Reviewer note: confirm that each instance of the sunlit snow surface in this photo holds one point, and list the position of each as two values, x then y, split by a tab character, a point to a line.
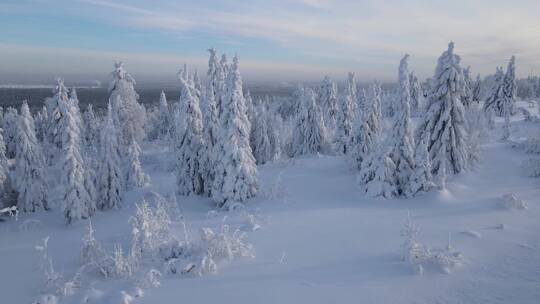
320	240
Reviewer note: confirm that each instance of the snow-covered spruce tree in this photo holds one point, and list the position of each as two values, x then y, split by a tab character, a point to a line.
297	100
309	133
467	97
53	142
30	174
221	80
210	133
421	180
250	106
378	174
188	142
11	118
262	149
477	89
4	175
274	126
130	113
197	85
235	175
109	176
445	117
164	118
91	128
366	128
509	89
416	94
135	176
328	102
494	101
344	121
216	79
352	88
40	121
75	109
77	203
402	153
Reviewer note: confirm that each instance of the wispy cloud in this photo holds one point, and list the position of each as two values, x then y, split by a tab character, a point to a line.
367	35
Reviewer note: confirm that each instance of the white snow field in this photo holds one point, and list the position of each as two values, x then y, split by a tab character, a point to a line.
320	240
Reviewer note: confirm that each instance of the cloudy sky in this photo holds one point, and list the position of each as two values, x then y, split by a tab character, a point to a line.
276	40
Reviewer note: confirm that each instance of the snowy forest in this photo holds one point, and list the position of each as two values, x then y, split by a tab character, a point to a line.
330	195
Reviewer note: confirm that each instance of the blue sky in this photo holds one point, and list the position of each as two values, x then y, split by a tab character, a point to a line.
287	40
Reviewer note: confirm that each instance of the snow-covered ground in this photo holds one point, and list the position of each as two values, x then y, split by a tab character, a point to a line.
320	241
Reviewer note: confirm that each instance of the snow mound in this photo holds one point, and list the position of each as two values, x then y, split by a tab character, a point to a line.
46	299
471	233
511	201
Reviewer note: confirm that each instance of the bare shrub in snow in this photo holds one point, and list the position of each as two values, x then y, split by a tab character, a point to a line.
151	227
151	279
212	249
94	257
421	257
54	282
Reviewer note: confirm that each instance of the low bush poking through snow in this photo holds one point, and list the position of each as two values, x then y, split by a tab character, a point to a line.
55	284
153	245
511	201
212	250
422	258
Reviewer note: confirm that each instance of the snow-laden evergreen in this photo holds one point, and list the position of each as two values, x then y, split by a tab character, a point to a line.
40	121
262	148
275	128
164	117
109	175
250	106
509	88
328	102
128	111
188	141
235	175
309	135
30	173
210	133
53	142
367	127
352	88
402	153
421	179
468	86
135	176
477	89
91	128
5	183
77	202
10	121
345	119
494	101
377	174
417	95
445	117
